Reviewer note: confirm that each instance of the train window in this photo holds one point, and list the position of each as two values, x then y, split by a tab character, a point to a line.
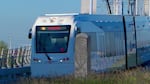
52	39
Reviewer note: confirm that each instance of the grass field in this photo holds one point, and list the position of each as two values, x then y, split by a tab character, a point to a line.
134	76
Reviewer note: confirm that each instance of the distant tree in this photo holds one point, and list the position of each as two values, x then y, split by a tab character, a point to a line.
3	45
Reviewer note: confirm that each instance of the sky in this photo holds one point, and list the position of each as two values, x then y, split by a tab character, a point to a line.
18	16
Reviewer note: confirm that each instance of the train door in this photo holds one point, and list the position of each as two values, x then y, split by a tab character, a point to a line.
131	58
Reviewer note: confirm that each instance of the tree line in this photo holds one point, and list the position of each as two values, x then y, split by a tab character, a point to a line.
3	45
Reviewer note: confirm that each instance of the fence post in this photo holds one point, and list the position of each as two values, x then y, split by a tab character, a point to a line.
9	59
28	54
21	55
82	59
4	58
1	57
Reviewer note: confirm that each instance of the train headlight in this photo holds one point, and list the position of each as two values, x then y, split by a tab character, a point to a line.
61	60
37	60
43	28
64	59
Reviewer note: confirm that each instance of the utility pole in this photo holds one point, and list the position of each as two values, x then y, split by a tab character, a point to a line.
108	7
10	45
118	7
91	7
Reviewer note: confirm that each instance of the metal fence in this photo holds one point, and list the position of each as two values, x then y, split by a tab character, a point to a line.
15	58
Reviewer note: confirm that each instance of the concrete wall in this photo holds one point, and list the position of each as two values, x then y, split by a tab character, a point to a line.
87	8
146	7
82	59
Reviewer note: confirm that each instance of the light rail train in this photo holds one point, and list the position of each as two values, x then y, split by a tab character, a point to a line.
116	42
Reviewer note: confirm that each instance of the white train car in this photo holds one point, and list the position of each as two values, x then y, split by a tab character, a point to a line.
116	42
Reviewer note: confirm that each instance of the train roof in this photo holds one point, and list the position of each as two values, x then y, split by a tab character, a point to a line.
63	14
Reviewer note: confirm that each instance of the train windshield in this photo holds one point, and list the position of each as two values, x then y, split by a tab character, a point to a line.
52	39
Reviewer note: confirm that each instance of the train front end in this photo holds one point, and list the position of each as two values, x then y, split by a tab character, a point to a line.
52	46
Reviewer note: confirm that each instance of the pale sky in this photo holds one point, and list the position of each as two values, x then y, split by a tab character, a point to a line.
18	16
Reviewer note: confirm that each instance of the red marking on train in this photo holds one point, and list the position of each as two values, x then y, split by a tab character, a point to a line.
54	28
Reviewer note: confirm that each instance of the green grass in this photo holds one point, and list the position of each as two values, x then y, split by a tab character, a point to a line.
134	76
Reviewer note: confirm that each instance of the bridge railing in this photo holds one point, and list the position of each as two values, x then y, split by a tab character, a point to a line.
14	58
